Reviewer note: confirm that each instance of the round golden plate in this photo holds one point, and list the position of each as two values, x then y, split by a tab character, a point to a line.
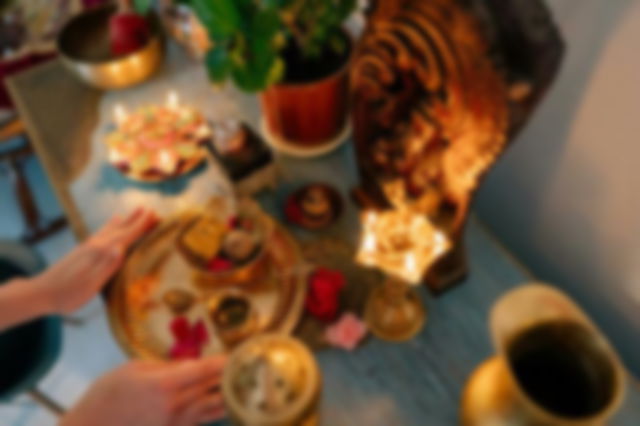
142	325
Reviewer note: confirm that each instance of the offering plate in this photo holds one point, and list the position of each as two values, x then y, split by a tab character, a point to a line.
141	318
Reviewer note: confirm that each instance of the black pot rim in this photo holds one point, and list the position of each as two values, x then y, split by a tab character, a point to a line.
339	71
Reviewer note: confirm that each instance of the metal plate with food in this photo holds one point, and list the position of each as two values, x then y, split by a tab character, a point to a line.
203	281
158	142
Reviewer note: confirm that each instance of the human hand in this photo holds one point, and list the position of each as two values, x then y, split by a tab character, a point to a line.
151	393
76	278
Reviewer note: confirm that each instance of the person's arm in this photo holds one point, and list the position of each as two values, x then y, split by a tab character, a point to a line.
77	277
151	393
21	301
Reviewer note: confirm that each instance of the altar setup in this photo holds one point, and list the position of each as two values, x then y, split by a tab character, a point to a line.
314	166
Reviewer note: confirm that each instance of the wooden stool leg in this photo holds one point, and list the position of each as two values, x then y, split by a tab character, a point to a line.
45	401
36	230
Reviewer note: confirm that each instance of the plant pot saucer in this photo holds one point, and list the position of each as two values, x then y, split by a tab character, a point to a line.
301	151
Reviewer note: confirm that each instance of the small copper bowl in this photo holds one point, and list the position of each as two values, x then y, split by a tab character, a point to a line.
83	44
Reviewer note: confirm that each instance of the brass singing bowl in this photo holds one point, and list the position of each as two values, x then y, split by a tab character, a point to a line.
83	45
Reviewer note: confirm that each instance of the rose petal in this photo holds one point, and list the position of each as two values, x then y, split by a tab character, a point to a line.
180	328
324	279
199	333
184	351
347	332
233	222
218	264
323	296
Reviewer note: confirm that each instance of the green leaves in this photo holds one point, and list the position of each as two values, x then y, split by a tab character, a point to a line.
142	7
218	63
262	65
221	18
317	22
249	35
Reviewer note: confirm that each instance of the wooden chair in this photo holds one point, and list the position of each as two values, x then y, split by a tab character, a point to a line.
14	150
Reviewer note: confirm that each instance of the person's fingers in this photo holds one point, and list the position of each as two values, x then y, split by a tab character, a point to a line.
205	409
131	230
114	225
213	414
132	216
185	374
115	221
192	393
108	263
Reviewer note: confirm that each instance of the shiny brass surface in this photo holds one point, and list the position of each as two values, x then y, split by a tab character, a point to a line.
83	45
272	380
394	311
278	301
500	393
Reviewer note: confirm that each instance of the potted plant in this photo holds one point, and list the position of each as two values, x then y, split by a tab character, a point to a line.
295	52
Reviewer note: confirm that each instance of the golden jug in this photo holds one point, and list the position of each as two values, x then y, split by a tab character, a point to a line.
553	366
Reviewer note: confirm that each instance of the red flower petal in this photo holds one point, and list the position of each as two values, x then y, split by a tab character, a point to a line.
233	222
184	351
323	296
199	333
218	264
180	328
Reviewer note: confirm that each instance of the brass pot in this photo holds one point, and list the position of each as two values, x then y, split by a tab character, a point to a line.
272	380
83	45
553	366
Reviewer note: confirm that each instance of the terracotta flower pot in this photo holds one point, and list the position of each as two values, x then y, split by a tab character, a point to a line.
309	113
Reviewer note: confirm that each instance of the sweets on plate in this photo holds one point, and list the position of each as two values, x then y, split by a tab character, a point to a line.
218	247
139	295
158	142
179	301
233	317
203	238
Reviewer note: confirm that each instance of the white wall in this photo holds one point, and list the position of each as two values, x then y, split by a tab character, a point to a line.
566	196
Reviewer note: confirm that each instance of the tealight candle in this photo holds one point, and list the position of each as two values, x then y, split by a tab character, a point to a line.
172	100
119	114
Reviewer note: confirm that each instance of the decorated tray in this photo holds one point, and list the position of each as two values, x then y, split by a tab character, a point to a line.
158	142
162	304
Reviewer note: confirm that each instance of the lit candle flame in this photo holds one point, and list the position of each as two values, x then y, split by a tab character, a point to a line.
172	100
401	242
119	113
369	243
371	218
410	263
166	161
